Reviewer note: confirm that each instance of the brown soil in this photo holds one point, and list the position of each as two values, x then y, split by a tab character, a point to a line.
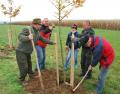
49	80
5	51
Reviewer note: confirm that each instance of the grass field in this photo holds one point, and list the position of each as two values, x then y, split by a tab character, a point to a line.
9	83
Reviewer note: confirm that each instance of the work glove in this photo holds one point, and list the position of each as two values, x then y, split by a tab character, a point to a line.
66	48
53	43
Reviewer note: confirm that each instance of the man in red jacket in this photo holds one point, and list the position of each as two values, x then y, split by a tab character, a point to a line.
103	53
45	32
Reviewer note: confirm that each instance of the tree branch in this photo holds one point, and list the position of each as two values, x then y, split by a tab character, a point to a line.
53	4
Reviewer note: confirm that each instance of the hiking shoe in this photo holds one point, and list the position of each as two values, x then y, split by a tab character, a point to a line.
24	83
81	74
93	93
88	77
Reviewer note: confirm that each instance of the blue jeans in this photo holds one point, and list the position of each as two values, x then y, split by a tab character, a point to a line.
69	56
41	56
101	80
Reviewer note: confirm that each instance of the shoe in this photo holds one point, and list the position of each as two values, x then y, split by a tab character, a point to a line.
24	83
88	77
65	67
21	78
81	74
31	76
93	93
36	69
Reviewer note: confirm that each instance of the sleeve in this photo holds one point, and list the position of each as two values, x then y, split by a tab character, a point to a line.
45	40
23	35
67	41
97	53
92	32
47	30
37	37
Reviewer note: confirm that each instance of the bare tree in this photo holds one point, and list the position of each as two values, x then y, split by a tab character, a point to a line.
64	8
11	11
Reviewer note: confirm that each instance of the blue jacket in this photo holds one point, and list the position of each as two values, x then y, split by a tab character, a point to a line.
69	42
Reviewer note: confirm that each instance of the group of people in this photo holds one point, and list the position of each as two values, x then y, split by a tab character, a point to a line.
94	49
40	33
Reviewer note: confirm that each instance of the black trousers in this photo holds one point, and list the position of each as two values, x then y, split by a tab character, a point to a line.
86	59
24	64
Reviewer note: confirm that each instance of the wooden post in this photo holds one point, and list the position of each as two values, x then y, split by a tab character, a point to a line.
72	64
9	39
39	72
57	64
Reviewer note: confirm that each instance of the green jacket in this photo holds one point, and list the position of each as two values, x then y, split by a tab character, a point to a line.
38	37
25	44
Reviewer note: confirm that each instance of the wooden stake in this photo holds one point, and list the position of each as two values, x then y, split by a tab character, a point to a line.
9	39
66	83
57	64
39	72
72	65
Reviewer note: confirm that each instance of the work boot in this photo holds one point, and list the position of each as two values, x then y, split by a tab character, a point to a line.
93	93
21	78
81	74
24	83
88	77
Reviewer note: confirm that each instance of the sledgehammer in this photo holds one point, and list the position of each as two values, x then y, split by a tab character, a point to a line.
81	81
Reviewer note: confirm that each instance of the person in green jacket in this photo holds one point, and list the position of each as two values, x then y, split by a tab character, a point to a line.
24	48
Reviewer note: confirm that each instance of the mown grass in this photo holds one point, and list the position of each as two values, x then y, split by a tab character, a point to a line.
9	83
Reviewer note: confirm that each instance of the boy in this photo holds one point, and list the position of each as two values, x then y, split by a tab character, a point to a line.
69	44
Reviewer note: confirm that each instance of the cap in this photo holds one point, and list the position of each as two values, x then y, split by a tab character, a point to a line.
36	21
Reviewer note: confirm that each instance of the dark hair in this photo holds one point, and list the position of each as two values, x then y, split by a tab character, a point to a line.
84	39
74	26
88	21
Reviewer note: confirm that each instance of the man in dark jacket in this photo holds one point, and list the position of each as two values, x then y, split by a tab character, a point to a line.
103	53
24	48
86	54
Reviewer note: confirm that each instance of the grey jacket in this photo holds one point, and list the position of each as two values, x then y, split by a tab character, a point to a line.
25	44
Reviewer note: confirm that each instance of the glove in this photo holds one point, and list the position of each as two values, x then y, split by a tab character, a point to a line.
51	27
53	43
66	48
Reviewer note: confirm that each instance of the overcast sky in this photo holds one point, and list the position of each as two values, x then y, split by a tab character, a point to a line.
92	9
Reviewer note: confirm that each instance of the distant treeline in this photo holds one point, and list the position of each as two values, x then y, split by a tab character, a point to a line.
102	24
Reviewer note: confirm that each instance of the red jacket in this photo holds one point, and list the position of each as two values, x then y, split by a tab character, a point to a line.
103	52
47	36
